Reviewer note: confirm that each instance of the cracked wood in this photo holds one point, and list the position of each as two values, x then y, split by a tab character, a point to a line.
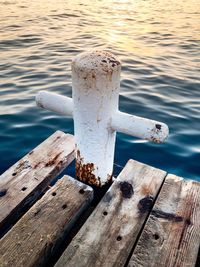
35	236
109	234
24	182
171	236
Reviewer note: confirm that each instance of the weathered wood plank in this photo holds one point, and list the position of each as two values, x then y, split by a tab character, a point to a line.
34	237
108	235
29	177
171	236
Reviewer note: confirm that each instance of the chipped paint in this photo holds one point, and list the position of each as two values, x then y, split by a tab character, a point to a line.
94	107
95	84
139	127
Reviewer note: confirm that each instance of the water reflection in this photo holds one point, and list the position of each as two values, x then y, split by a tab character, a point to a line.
158	44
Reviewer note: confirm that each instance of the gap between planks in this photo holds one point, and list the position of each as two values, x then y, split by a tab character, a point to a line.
25	181
107	237
171	236
35	237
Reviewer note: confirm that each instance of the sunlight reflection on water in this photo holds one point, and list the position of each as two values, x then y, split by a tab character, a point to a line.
157	42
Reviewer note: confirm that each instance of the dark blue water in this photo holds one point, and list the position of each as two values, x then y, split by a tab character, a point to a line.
158	44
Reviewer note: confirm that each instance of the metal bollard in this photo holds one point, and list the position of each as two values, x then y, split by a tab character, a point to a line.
95	89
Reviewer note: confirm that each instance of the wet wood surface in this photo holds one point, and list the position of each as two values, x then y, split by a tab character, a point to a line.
35	236
24	182
171	236
107	237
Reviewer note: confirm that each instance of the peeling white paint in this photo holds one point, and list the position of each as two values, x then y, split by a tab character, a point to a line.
140	127
95	89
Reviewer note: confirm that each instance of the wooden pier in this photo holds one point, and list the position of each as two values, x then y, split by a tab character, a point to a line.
146	218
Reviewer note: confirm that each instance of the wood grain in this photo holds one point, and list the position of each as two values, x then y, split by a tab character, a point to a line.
24	182
34	237
109	234
171	236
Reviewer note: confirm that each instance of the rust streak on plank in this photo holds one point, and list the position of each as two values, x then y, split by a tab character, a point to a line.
24	182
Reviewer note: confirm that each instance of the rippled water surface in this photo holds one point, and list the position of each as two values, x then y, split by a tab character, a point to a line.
157	42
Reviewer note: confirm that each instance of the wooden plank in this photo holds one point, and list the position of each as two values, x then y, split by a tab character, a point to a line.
171	236
34	237
109	234
21	185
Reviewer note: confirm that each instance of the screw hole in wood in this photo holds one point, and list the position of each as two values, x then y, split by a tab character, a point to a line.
24	188
64	206
3	192
82	191
119	238
156	236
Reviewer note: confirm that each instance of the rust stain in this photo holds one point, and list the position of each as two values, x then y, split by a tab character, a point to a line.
37	164
146	190
52	161
155	140
112	61
84	172
22	165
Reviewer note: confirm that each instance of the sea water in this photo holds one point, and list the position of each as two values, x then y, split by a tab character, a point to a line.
158	45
